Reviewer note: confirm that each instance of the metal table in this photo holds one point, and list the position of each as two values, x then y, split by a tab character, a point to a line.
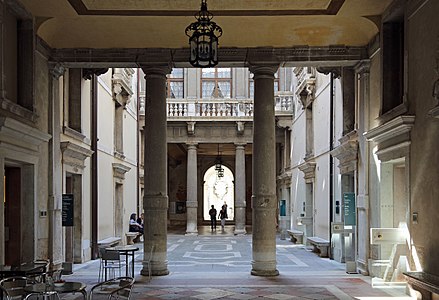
128	251
44	289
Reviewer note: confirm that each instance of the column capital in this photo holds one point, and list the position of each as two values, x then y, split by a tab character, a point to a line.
56	70
363	67
156	71
240	145
192	146
263	70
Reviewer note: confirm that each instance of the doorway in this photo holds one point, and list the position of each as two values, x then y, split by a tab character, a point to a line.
12	204
217	191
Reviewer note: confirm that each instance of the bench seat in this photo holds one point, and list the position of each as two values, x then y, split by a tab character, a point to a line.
296	236
109	242
424	283
131	236
320	245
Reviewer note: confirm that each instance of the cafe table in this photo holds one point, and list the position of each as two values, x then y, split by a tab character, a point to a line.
128	251
22	270
46	290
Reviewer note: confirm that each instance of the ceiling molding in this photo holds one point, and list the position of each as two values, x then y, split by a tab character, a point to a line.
332	9
230	57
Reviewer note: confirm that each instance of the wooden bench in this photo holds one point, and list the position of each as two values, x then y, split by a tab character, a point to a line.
296	236
131	236
320	245
109	242
426	284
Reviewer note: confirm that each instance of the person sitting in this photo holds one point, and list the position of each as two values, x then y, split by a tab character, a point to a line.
134	226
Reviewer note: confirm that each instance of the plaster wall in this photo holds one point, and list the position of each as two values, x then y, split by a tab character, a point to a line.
423	29
106	211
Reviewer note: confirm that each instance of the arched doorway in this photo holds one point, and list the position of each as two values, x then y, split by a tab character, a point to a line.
218	190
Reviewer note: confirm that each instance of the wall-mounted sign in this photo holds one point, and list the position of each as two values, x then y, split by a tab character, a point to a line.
350	215
283	208
67	210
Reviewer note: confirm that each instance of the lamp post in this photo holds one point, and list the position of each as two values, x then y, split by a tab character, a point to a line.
203	39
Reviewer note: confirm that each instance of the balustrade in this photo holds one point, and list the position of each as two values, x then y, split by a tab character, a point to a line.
228	109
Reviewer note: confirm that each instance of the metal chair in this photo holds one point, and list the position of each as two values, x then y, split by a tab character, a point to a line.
116	288
110	261
147	261
13	287
4	293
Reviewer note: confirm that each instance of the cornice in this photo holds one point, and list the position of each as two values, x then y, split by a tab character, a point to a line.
388	130
74	155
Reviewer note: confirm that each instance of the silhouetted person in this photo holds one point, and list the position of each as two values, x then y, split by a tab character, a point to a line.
212	214
223	216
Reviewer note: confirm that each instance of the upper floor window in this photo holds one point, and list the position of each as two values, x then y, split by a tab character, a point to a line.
175	83
216	83
251	84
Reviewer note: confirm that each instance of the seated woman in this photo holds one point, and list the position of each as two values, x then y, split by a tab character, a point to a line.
134	226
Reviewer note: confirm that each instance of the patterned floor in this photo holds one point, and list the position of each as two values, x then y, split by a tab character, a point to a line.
217	265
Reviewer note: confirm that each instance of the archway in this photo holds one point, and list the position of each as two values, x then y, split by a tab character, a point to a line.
218	190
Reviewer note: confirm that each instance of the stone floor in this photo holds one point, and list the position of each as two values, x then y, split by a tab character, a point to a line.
217	265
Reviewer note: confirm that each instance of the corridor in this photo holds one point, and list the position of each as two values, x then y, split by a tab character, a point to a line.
216	265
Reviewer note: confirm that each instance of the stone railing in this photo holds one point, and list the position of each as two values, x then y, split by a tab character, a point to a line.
220	108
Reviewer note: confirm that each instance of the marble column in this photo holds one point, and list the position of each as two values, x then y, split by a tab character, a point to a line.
155	200
240	189
55	169
264	202
191	201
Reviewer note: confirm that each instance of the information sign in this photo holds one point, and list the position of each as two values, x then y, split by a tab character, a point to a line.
67	210
349	209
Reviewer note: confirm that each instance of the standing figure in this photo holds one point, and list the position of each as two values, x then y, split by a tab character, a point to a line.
225	208
223	216
212	214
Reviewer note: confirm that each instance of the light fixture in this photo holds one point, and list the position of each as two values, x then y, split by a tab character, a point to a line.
203	39
218	165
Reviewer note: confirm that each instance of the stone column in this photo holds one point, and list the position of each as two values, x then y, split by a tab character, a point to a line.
192	200
55	169
264	202
155	200
240	189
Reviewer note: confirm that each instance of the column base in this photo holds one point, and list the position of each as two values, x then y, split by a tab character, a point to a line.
265	273
144	272
193	233
239	232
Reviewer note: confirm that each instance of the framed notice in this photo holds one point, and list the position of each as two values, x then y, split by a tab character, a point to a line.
67	210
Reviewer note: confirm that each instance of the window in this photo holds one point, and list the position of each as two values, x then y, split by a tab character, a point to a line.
251	84
175	84
216	83
74	99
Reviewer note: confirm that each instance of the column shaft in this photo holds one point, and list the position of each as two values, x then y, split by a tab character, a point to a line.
240	190
264	202
191	201
155	201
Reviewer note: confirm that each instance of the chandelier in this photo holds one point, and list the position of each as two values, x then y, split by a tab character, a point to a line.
203	39
218	165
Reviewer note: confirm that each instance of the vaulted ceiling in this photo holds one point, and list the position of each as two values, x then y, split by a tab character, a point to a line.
245	23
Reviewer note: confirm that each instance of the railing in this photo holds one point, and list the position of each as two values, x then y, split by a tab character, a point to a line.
221	108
